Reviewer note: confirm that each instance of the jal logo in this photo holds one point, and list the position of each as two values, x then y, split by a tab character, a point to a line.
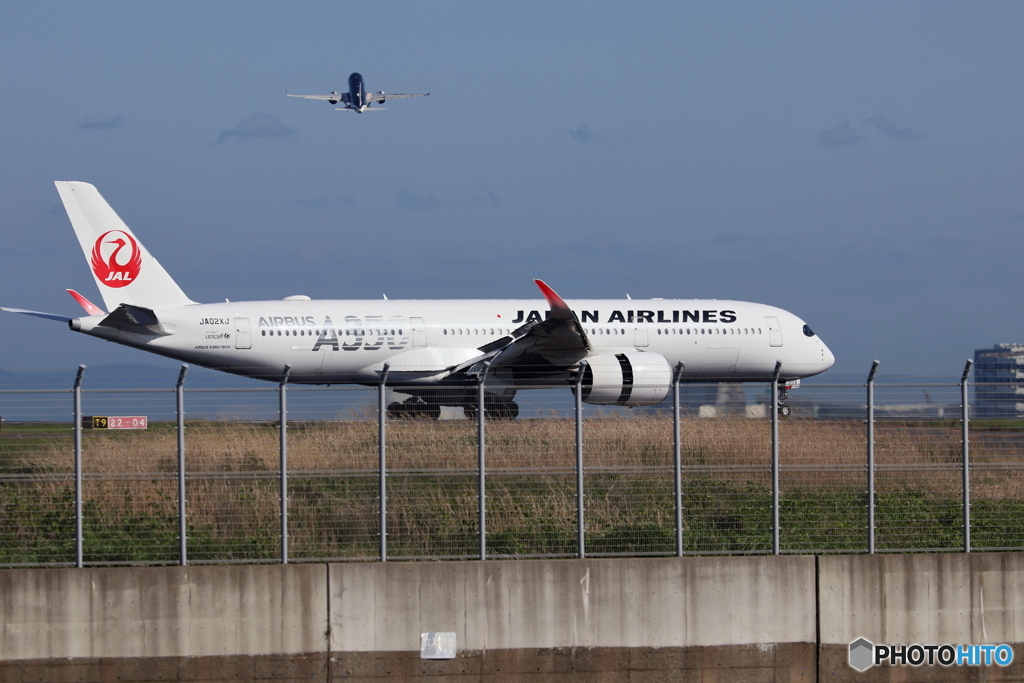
116	259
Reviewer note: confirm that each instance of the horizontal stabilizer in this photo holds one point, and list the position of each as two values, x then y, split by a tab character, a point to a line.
48	316
90	307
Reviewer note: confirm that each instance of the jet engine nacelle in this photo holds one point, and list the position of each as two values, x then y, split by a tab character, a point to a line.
631	378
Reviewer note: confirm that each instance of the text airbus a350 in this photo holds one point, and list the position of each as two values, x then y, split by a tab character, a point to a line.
629	351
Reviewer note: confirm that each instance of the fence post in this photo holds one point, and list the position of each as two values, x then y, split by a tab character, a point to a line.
283	398
382	490
580	538
677	460
77	393
775	457
965	437
871	456
480	462
179	392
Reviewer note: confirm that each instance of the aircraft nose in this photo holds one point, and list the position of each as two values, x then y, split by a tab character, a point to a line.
828	359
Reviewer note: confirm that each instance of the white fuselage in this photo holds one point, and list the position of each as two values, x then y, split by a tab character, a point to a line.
337	341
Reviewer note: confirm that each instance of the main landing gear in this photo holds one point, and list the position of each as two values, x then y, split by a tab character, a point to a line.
416	408
494	410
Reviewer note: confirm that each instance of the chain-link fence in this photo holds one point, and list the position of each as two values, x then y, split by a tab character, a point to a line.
859	465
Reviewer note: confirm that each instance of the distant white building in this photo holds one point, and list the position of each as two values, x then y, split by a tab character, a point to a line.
999	381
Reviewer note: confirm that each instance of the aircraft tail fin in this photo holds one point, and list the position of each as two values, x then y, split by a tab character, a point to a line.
125	272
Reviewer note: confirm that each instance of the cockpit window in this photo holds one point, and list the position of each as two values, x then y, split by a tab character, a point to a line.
808	332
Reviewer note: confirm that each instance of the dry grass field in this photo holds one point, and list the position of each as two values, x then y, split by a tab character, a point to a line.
131	499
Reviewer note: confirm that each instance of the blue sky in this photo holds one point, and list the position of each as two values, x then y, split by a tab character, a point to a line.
859	164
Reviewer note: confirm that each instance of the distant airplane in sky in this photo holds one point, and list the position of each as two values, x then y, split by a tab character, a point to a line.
436	351
357	99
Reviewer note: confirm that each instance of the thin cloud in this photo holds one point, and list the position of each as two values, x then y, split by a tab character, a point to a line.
258	126
105	124
842	135
887	127
731	237
485	196
326	202
582	134
759	238
407	199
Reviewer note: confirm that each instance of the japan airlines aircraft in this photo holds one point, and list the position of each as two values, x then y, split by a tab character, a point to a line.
435	351
357	99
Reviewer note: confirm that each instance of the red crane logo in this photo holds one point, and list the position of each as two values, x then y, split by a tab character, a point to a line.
110	270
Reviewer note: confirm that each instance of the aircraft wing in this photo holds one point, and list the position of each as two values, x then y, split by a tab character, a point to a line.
559	340
333	97
378	96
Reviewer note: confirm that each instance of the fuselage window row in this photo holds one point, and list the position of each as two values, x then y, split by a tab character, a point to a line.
593	331
703	330
485	331
475	331
730	330
317	333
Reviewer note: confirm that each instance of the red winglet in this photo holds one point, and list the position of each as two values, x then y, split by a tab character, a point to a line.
554	301
90	307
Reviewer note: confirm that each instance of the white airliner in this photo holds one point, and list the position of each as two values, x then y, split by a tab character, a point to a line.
434	350
357	99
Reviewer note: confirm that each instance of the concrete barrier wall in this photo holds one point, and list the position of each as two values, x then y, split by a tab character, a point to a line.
961	598
653	602
734	618
162	611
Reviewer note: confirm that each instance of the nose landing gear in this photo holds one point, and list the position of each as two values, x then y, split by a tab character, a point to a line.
784	409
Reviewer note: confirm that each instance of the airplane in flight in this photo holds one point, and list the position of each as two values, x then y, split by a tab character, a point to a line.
434	351
357	99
